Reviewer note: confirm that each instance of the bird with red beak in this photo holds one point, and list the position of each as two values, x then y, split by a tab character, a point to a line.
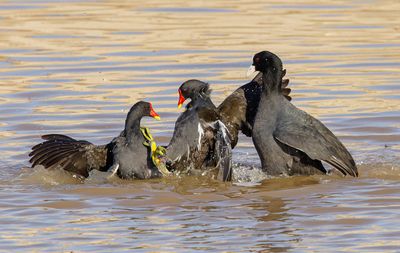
201	142
194	90
127	155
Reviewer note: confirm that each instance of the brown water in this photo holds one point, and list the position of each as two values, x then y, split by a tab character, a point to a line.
75	67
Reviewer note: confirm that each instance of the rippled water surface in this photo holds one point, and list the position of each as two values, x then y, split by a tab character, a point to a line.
75	67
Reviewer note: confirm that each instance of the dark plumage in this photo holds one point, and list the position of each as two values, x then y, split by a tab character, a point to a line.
200	140
238	110
125	153
287	139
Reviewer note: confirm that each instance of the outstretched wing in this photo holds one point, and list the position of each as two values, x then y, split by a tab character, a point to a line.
61	151
301	131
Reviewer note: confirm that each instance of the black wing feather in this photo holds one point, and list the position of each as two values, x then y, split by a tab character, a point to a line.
77	156
301	131
223	151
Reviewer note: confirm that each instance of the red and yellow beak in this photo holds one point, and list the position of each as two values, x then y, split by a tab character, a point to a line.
153	113
181	99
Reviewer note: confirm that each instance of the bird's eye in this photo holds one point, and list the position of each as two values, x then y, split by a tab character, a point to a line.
257	59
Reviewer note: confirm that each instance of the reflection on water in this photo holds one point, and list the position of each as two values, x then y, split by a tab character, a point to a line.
75	67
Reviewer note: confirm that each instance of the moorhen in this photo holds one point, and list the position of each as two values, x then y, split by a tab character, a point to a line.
126	155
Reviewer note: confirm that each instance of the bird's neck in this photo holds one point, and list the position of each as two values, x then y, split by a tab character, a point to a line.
272	80
132	125
200	100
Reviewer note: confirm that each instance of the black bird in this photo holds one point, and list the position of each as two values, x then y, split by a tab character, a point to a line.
200	141
288	140
125	154
238	110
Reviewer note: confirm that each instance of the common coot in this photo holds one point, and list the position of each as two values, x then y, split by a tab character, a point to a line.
288	140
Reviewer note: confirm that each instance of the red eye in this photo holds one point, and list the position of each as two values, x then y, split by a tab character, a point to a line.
257	59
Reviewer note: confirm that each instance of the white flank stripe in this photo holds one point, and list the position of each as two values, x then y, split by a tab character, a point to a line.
201	133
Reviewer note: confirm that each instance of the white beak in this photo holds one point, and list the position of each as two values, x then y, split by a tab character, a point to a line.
251	71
